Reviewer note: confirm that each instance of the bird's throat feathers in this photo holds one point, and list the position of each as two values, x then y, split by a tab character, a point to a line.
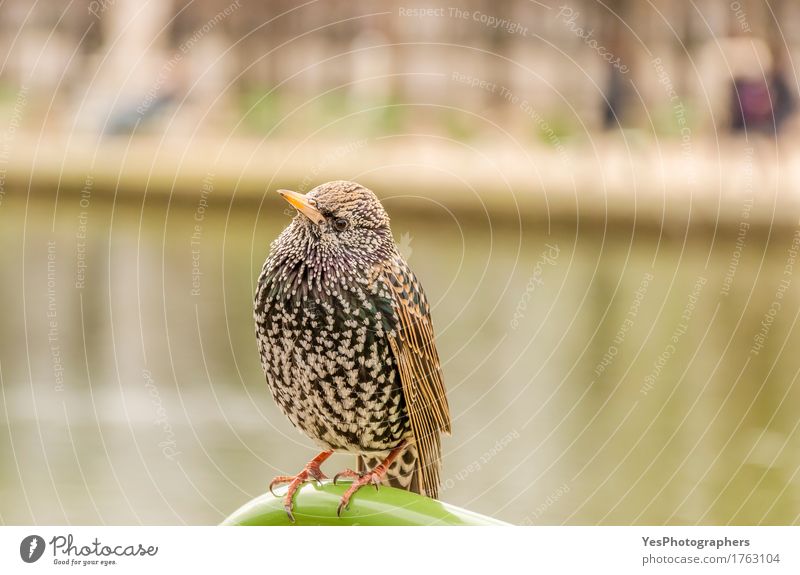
307	259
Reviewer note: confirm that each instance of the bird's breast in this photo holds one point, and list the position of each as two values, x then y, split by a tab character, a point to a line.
330	367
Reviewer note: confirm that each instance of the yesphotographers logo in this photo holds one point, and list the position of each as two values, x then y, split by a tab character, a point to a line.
31	548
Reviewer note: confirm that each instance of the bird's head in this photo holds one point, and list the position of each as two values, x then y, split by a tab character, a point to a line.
342	219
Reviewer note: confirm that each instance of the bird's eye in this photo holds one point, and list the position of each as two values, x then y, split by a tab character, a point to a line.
340	224
312	202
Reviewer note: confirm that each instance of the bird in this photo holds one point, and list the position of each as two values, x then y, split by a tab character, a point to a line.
347	345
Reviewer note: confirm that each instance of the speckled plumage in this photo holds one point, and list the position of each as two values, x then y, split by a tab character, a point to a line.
345	337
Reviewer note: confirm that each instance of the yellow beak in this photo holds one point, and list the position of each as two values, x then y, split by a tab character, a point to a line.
302	204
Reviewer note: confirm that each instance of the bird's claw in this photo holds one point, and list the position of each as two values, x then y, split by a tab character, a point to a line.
277	480
309	472
359	480
316	474
346	473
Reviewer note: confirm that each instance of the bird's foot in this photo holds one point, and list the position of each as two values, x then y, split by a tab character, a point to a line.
310	472
359	480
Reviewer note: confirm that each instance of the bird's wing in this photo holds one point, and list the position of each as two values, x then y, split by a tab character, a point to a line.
412	342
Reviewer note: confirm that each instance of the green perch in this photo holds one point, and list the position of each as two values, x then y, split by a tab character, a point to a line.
315	504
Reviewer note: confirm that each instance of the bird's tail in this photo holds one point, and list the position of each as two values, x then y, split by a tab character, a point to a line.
403	473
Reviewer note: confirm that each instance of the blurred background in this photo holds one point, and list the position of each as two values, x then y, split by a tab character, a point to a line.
600	198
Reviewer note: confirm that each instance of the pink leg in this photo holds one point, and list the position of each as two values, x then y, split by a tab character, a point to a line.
310	471
374	477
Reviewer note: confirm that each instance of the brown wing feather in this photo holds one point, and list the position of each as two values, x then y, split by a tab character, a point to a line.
420	373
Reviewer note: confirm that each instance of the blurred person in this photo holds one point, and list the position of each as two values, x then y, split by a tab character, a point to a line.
760	97
614	99
617	55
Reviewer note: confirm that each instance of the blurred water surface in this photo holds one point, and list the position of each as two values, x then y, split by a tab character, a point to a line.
596	375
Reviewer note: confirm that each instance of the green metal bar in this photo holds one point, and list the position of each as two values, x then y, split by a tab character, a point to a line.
316	505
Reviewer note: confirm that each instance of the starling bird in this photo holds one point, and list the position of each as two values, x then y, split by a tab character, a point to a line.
347	344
